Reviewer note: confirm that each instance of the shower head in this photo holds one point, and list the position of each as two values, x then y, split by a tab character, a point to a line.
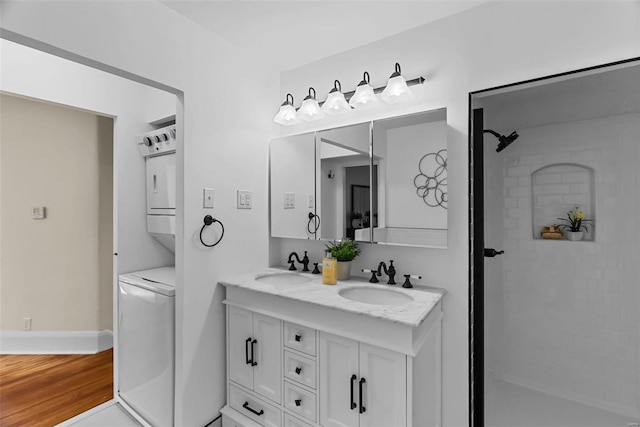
503	141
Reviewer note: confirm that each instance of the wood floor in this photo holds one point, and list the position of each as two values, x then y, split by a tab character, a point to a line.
44	390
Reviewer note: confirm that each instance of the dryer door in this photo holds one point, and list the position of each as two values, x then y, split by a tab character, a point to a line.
161	184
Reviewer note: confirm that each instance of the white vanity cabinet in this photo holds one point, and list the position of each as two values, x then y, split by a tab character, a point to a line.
297	363
255	352
360	384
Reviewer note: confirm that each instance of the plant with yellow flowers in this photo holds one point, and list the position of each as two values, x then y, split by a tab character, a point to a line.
575	221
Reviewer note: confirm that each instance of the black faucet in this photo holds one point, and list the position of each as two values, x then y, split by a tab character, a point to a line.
391	272
304	262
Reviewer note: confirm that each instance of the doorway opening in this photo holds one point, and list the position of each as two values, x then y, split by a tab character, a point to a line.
133	106
554	325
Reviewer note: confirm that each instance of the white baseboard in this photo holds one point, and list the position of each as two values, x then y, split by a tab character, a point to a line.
574	397
55	342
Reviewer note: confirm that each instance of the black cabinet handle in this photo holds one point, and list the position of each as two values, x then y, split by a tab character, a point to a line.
298	370
298	402
298	337
246	406
362	408
253	362
353	404
246	351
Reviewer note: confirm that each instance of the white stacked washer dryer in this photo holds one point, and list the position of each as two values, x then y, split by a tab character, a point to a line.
146	299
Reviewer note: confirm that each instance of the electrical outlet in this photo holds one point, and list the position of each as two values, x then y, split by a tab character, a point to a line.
27	324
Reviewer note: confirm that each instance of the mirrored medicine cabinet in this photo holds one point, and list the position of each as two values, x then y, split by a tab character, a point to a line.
381	182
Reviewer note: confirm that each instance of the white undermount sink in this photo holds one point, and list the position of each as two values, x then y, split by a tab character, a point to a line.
283	278
378	296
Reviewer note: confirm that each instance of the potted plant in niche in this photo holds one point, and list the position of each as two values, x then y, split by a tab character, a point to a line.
575	222
344	252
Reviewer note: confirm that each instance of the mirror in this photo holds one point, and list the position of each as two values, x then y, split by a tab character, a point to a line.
383	182
343	154
293	186
410	153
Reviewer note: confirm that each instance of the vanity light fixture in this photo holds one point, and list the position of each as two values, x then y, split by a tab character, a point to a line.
364	96
310	110
287	114
336	103
397	89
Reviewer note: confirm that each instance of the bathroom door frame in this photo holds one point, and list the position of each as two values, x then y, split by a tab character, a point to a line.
476	231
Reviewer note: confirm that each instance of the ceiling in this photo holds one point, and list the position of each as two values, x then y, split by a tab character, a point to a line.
289	34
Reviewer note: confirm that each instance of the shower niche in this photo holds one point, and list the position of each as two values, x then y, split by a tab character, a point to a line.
559	188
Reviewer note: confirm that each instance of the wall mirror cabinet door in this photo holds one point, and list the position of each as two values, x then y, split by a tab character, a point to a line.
343	165
383	182
293	186
410	156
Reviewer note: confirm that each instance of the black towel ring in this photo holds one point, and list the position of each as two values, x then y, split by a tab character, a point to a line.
208	220
316	223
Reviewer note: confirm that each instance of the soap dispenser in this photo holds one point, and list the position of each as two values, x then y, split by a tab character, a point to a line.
329	269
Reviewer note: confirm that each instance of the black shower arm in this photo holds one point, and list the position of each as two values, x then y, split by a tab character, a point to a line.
496	134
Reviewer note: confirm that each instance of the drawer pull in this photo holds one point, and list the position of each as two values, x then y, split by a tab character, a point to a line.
353	404
298	337
298	402
246	351
298	370
246	406
362	408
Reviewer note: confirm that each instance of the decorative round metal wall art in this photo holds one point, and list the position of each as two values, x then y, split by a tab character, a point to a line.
431	182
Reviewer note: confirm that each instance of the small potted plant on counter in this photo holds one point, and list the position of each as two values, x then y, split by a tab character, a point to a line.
344	252
575	222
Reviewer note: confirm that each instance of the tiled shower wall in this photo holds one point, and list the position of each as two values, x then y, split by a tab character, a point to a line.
570	309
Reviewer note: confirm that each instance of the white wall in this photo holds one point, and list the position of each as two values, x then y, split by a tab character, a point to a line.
570	309
493	44
57	270
229	102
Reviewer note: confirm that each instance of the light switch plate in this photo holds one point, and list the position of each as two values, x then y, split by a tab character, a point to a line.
207	198
38	212
245	199
310	201
289	200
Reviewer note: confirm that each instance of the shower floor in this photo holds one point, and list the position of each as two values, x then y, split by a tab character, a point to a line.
510	405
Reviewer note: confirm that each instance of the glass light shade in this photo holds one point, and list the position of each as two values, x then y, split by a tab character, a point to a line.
364	97
310	110
396	90
335	103
286	115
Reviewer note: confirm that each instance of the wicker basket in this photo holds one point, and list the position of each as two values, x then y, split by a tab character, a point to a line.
551	233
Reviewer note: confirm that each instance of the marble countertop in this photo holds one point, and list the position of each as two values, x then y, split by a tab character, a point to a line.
313	291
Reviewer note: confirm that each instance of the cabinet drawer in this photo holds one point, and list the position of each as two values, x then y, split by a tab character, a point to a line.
291	421
300	369
254	408
300	401
300	338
